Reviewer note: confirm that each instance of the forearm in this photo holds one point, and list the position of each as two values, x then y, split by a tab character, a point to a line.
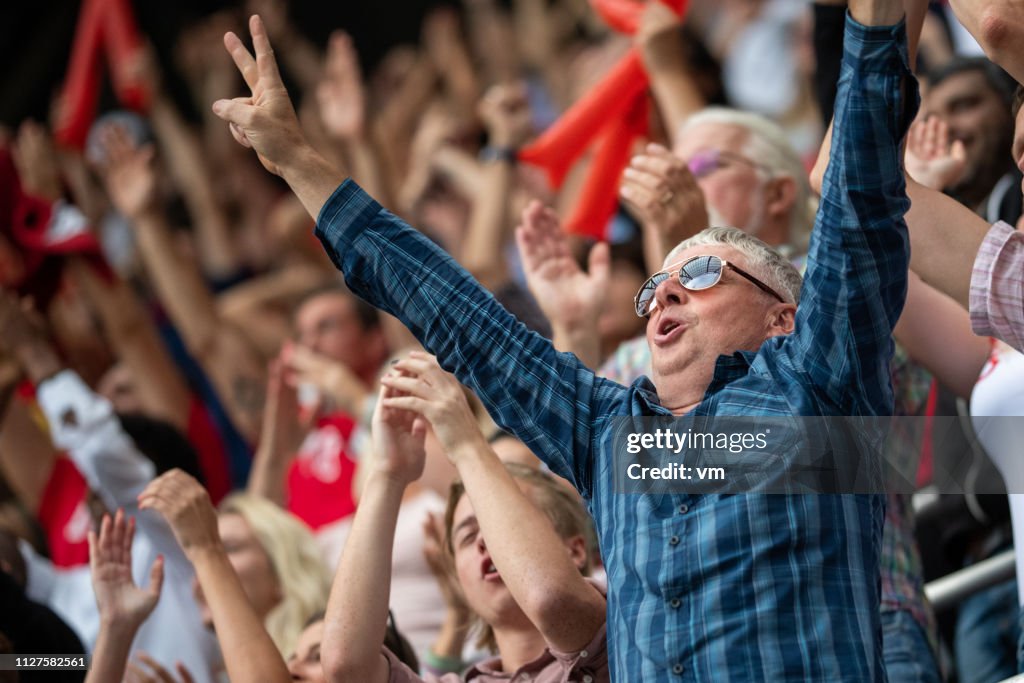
249	653
217	251
482	253
936	332
267	476
233	365
366	168
944	237
311	178
672	83
110	655
357	611
131	332
178	283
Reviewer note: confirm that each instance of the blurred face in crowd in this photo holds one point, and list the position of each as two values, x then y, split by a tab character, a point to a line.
980	118
734	191
304	664
688	327
118	386
328	324
252	564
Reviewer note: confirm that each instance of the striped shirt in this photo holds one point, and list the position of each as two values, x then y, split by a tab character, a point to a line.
997	286
724	588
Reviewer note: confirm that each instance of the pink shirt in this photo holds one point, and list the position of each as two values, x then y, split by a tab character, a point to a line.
589	665
997	286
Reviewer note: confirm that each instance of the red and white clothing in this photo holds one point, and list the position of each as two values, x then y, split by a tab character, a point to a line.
320	478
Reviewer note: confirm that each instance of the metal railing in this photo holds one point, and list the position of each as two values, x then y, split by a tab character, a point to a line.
952	589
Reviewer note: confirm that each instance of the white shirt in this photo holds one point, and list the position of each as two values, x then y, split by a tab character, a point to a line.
84	424
998	397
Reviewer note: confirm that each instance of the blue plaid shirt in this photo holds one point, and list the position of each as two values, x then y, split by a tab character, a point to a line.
703	588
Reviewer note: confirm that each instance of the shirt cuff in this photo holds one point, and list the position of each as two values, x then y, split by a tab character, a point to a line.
343	216
983	292
873	46
72	409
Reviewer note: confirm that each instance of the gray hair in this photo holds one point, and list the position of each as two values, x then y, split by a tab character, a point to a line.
768	264
767	144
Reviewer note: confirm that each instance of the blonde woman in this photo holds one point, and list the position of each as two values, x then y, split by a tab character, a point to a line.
277	562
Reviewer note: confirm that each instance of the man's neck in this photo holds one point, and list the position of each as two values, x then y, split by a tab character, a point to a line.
683	390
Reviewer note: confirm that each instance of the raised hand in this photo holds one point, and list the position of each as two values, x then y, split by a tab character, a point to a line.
25	337
186	506
119	600
567	296
662	193
264	121
505	111
398	435
331	378
930	158
128	172
154	672
424	389
340	94
36	160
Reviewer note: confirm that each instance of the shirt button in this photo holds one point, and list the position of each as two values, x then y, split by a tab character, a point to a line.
684	508
674	540
674	603
588	679
677	669
584	654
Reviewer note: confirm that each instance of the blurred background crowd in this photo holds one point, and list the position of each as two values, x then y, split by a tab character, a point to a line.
182	284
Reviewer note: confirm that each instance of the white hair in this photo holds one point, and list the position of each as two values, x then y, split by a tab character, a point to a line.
767	145
768	264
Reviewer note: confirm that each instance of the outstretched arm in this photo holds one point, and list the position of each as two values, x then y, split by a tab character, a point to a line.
249	653
122	605
357	612
546	399
857	266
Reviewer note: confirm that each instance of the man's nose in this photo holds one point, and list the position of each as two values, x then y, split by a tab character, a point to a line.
670	292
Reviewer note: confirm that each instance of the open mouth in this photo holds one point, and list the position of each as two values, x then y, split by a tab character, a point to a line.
668	330
489	571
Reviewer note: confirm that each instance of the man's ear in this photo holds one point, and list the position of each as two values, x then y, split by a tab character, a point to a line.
781	320
781	194
577	547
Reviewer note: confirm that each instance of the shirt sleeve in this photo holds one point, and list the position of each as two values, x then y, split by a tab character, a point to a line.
997	286
84	424
856	279
546	398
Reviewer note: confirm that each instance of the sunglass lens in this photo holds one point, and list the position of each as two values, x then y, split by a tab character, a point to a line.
701	273
645	298
703	163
